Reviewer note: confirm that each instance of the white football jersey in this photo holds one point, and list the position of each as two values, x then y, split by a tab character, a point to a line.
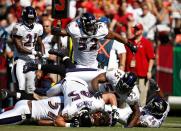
149	120
29	37
87	76
47	108
85	47
48	45
77	96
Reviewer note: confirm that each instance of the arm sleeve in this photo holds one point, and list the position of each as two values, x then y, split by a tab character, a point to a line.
56	69
55	90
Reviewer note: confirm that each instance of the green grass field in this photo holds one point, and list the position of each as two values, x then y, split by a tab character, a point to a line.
171	123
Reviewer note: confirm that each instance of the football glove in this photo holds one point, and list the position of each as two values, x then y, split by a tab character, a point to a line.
115	117
132	47
98	95
74	123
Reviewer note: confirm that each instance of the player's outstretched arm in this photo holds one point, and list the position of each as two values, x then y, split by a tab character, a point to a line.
101	78
59	32
134	118
118	37
110	98
61	122
45	122
41	45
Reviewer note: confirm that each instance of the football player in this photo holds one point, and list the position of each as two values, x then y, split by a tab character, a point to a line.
156	110
77	96
26	36
45	109
153	113
124	86
85	32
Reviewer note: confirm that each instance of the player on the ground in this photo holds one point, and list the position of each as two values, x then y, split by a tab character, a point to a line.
77	96
45	109
124	86
156	110
26	36
153	113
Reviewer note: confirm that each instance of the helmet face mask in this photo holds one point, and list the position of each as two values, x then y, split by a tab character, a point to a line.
101	118
29	16
88	23
85	119
156	107
126	84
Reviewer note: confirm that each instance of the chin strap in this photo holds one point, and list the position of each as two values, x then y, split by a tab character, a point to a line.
29	26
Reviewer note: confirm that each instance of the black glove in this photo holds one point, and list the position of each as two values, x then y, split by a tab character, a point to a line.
55	31
98	95
132	47
115	117
153	85
30	66
56	52
4	93
74	123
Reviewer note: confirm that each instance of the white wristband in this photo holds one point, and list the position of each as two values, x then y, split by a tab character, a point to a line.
39	66
64	58
114	107
18	95
34	52
67	125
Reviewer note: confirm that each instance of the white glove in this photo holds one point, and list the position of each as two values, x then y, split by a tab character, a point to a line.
33	52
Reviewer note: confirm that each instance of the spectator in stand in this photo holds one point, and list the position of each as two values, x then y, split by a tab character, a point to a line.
50	42
16	9
161	9
3	9
135	8
148	20
141	62
176	26
120	20
3	62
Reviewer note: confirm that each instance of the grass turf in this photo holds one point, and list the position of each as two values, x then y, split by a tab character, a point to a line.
171	123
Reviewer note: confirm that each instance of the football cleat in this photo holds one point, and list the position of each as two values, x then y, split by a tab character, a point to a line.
3	94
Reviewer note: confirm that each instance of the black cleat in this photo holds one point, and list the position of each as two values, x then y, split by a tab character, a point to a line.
3	94
30	66
153	85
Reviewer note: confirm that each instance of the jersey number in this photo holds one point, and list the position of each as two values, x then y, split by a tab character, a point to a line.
30	40
54	107
83	45
76	96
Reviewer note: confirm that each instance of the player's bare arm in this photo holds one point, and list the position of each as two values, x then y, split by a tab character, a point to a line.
101	78
19	45
116	36
60	122
135	115
59	32
42	47
45	122
109	98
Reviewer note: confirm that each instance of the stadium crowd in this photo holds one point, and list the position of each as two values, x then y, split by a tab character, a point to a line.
94	68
